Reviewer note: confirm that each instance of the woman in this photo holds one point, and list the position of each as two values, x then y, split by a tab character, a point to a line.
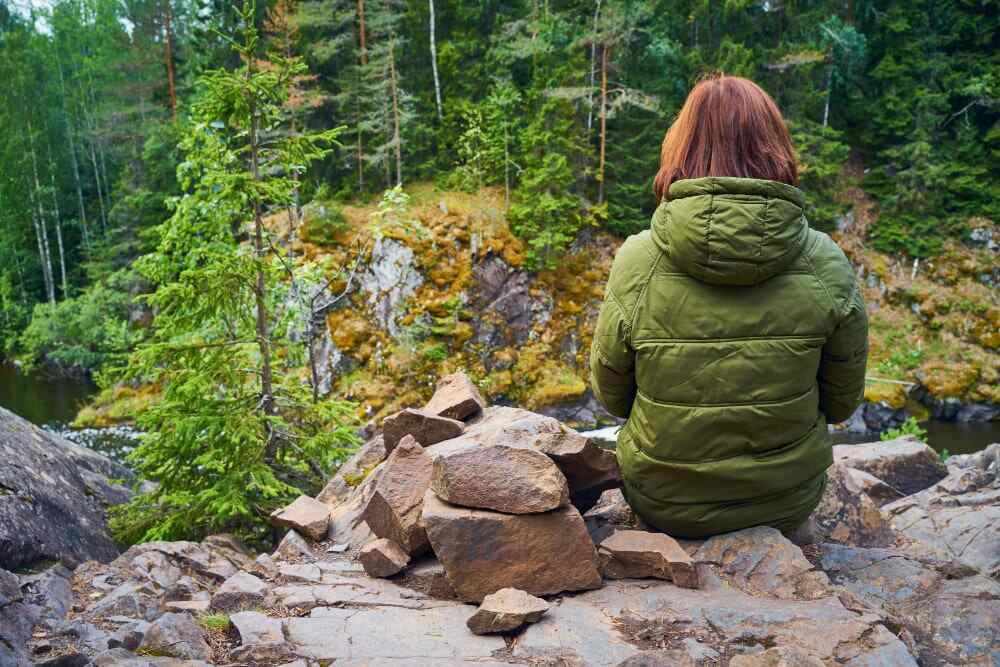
730	333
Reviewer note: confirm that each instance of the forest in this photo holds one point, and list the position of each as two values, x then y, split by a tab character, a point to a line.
144	143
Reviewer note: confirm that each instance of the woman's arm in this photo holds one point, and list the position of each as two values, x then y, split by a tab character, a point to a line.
842	366
612	360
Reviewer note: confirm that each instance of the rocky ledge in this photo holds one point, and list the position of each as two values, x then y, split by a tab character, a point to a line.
388	565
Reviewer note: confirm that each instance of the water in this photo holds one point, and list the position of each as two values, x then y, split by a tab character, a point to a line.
955	437
52	401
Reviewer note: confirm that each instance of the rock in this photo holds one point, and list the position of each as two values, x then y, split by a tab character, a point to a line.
176	636
120	657
762	561
255	628
498	477
129	636
293	547
353	471
612	512
428	577
188	606
588	468
873	487
390	278
264	653
905	464
777	657
957	517
383	558
10	588
845	515
393	511
456	397
426	428
483	551
307	516
54	496
506	610
950	614
637	554
240	591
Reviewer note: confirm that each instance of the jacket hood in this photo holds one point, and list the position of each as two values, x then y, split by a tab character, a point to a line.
731	231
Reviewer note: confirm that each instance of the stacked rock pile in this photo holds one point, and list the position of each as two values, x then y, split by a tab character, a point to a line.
496	494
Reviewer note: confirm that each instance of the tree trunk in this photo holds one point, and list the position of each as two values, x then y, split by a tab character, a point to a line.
46	277
363	50
605	54
396	139
434	64
168	56
593	69
829	86
506	166
59	238
267	403
73	161
46	254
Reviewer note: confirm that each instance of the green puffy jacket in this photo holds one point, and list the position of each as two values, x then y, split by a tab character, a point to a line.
729	335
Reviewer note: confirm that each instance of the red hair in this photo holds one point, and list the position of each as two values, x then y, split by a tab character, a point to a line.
728	127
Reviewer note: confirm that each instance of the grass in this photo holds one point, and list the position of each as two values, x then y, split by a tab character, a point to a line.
214	621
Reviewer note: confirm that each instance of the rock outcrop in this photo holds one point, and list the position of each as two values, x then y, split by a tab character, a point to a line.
905	464
53	497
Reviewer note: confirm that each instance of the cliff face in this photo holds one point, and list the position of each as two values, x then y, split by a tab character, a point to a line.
445	287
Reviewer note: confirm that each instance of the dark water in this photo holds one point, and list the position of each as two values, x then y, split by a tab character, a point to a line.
953	437
52	401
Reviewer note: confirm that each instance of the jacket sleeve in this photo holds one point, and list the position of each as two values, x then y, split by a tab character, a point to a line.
842	365
612	360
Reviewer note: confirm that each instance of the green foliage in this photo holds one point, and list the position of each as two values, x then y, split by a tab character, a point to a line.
214	621
224	444
324	222
822	156
908	428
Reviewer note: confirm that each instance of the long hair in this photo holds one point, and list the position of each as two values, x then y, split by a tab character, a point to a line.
728	127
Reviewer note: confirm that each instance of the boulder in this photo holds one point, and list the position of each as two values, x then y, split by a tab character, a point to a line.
588	468
905	464
845	515
393	510
456	397
426	428
505	611
176	636
293	547
255	627
53	498
637	554
499	477
383	558
308	516
873	487
612	512
483	551
353	471
761	560
240	591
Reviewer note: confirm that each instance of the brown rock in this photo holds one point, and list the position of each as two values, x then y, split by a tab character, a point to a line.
353	472
515	480
456	397
905	464
308	516
483	551
425	427
383	558
293	547
506	610
846	515
637	554
589	468
393	510
428	576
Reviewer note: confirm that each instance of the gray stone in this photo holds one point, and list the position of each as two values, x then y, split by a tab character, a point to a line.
255	628
54	497
505	611
121	657
847	516
177	636
390	277
762	561
292	547
129	636
188	606
905	464
873	487
240	591
263	653
426	428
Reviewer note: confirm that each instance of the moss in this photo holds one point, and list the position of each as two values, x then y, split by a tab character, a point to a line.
116	405
214	621
891	394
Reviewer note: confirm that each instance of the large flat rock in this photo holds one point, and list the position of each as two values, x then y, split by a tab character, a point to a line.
483	551
53	497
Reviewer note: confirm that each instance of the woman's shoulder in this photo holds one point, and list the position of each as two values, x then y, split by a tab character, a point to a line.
830	265
633	263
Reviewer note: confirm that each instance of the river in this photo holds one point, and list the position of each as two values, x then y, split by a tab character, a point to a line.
53	401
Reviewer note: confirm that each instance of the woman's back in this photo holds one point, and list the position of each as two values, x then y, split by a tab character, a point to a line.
729	335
